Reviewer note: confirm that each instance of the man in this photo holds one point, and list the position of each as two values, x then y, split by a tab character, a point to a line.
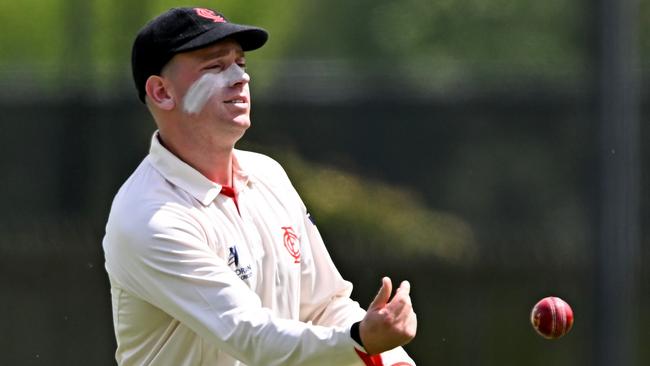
211	255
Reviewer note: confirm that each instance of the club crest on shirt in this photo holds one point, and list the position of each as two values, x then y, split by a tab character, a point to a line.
291	243
243	272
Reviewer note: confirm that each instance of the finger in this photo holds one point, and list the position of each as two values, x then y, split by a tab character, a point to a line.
383	295
404	287
402	294
400	306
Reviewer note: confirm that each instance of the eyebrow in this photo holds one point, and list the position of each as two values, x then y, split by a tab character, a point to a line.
209	55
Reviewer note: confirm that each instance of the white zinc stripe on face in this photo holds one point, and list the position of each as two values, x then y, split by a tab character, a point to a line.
203	88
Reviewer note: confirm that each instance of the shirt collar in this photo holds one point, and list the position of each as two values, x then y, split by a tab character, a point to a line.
186	177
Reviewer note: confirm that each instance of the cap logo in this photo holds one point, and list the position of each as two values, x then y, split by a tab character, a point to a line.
209	14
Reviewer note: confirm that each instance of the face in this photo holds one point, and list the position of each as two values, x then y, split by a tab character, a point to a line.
210	84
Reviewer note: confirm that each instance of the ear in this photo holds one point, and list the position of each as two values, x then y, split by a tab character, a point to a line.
158	93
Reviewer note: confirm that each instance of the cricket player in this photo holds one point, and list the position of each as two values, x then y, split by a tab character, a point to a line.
211	255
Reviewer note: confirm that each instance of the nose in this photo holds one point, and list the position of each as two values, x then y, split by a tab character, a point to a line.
239	76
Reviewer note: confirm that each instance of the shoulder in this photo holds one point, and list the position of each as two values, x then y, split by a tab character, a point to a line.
270	177
147	205
261	166
250	159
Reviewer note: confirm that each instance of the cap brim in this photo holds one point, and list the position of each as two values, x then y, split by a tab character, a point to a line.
249	37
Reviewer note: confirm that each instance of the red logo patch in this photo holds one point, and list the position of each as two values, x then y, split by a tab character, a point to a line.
209	14
291	243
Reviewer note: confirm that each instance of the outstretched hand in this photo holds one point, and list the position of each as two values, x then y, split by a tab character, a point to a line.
388	323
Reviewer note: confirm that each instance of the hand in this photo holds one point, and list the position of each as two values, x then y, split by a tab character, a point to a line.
388	324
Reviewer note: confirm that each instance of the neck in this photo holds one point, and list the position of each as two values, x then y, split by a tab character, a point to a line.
209	159
217	166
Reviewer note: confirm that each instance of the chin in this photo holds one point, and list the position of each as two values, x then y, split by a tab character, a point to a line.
243	121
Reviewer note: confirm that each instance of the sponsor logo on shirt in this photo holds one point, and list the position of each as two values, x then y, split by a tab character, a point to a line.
291	243
243	272
233	257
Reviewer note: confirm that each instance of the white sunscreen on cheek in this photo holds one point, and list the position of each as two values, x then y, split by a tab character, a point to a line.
210	83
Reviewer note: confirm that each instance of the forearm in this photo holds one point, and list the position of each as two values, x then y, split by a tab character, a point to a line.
201	291
250	333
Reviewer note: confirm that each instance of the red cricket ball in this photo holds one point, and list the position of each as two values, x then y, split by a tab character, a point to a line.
552	317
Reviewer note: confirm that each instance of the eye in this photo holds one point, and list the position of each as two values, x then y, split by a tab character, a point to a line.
216	66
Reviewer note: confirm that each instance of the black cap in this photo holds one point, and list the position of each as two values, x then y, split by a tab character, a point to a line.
181	30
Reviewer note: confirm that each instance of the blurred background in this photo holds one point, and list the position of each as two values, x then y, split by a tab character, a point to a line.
490	151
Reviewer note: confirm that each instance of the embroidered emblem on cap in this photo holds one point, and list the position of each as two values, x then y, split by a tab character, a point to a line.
291	243
209	14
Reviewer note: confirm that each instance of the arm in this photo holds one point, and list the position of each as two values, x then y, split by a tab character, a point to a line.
326	301
325	295
163	258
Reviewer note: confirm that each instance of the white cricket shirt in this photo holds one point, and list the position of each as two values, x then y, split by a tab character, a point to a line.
198	280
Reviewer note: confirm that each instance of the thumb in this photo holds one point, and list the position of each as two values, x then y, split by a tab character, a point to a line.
383	295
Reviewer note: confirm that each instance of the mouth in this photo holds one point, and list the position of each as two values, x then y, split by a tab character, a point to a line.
236	101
